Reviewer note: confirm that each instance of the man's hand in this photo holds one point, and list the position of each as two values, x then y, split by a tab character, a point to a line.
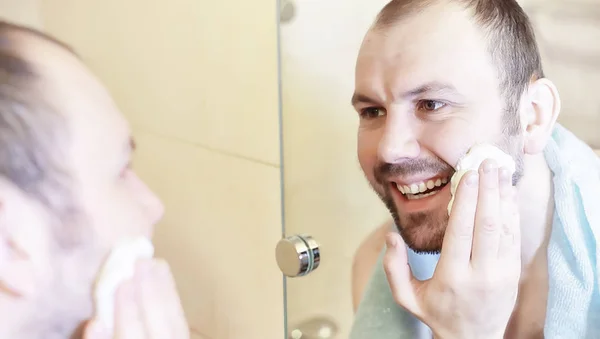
474	288
146	307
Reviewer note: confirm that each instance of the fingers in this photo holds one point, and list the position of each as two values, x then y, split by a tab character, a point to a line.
161	309
128	319
95	330
488	224
173	308
510	232
147	307
456	248
151	296
400	278
484	223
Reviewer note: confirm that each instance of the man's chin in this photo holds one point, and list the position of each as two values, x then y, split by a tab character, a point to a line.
422	229
422	232
425	249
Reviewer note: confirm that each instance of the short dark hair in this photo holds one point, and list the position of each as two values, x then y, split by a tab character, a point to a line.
511	37
32	133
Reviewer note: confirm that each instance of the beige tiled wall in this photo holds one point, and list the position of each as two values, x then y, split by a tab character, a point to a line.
24	12
219	232
198	81
207	69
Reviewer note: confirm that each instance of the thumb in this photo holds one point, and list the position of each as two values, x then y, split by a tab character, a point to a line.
95	330
400	278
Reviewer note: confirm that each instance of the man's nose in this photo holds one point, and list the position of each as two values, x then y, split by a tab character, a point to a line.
400	140
152	206
155	208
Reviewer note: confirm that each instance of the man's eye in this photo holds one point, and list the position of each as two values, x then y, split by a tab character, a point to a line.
430	105
371	113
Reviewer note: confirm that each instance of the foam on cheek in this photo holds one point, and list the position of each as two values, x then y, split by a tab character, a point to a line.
119	267
473	159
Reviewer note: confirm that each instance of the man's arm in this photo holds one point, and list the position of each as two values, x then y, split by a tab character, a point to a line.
365	259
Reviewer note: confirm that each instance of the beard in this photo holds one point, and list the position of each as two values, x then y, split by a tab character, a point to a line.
423	231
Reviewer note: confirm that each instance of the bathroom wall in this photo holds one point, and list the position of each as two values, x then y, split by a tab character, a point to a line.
325	192
25	12
198	81
568	32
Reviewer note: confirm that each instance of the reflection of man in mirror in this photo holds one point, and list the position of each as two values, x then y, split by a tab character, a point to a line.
67	196
517	254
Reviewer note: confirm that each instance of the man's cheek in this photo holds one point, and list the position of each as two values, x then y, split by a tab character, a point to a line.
367	162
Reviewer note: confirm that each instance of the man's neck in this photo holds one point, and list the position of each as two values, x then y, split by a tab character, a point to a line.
536	199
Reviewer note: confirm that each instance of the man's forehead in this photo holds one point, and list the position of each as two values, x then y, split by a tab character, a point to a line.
441	44
440	27
72	90
63	77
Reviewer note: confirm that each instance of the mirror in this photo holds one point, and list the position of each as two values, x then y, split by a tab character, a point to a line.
325	192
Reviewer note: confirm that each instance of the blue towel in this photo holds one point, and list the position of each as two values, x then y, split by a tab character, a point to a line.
573	308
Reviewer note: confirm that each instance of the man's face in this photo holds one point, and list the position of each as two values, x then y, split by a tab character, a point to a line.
114	203
426	91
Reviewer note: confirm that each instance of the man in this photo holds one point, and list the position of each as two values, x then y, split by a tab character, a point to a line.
434	78
67	196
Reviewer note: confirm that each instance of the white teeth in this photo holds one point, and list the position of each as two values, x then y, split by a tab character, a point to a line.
400	188
420	196
421	187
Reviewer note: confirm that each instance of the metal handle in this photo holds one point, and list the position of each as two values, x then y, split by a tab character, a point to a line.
297	255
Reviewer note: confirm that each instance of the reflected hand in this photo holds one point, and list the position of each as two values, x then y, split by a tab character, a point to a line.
474	288
146	307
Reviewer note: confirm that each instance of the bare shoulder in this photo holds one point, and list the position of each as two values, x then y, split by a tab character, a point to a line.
365	259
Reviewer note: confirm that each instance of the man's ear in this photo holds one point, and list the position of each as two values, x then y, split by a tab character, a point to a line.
16	273
21	235
539	111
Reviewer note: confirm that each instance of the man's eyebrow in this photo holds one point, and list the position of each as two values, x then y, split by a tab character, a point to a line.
361	98
431	88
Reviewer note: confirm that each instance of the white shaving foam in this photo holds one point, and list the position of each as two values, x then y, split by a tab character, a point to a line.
473	159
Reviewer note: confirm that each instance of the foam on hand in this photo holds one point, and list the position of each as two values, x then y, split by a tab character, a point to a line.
119	267
473	159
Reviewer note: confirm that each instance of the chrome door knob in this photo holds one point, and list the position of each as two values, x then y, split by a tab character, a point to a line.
297	255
